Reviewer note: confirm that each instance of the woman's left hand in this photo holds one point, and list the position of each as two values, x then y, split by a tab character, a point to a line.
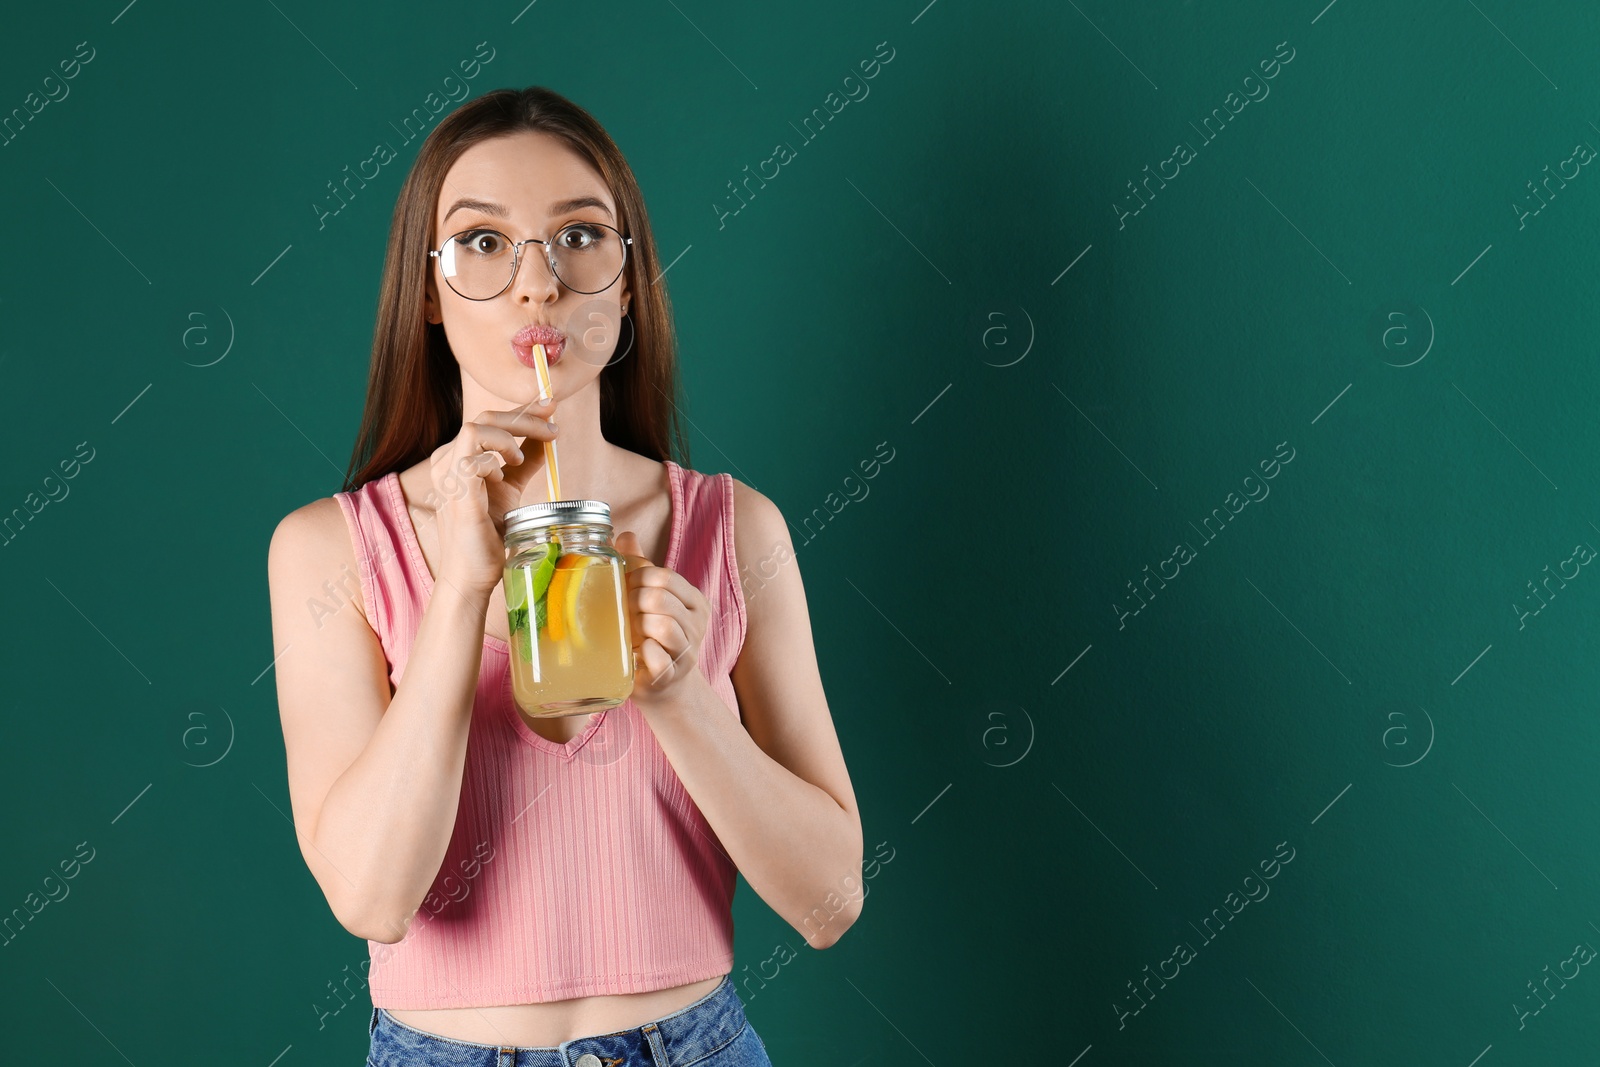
668	617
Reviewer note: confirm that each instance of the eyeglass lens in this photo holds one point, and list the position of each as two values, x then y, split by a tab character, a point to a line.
478	263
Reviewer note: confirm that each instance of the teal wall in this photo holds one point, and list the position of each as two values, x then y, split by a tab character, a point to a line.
1215	568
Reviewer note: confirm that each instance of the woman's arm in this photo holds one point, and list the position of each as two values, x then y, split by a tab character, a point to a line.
374	780
775	789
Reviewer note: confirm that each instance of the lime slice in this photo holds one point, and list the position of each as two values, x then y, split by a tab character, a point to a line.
541	581
516	586
515	583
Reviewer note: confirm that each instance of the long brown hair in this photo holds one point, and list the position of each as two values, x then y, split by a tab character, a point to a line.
413	400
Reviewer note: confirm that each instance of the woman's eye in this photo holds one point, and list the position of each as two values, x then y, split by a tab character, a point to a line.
484	242
579	237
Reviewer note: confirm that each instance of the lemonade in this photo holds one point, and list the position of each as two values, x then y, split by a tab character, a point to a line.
566	604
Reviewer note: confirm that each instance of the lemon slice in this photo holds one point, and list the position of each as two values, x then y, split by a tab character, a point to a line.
562	596
580	567
556	596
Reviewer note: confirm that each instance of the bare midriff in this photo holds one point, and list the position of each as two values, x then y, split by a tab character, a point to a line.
548	1024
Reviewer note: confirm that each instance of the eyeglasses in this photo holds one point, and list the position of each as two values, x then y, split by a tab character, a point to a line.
480	264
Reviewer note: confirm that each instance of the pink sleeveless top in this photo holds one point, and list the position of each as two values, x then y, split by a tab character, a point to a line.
575	869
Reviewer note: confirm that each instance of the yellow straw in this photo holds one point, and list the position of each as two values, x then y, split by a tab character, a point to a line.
546	391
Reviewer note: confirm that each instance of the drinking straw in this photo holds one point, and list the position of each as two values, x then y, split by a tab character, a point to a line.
546	391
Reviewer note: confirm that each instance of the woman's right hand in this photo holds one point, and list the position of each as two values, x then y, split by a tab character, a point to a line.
478	489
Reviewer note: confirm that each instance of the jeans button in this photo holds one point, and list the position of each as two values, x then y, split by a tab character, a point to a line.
588	1059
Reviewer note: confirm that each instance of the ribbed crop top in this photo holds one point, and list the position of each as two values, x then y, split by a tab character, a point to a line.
575	869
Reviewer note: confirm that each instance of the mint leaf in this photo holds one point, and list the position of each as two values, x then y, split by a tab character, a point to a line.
518	619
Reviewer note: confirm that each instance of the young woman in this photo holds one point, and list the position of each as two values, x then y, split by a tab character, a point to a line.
527	883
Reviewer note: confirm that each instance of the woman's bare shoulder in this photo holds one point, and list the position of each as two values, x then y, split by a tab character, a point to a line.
311	528
312	545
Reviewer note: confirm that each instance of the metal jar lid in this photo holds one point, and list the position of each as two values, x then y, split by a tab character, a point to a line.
555	513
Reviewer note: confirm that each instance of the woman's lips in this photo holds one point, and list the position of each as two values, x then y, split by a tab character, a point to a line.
552	353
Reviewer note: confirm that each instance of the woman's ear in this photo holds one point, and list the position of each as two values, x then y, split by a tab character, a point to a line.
430	304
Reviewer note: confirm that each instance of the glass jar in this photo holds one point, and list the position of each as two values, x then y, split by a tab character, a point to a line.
567	609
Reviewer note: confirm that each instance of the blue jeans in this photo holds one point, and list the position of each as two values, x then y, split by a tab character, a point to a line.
711	1032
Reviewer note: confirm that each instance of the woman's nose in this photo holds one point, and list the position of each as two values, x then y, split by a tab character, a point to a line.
534	274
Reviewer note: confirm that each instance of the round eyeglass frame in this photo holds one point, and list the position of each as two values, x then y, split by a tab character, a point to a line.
516	257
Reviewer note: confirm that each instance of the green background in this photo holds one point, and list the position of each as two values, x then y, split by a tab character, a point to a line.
1069	791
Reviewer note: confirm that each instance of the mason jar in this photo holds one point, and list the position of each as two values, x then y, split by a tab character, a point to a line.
567	609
